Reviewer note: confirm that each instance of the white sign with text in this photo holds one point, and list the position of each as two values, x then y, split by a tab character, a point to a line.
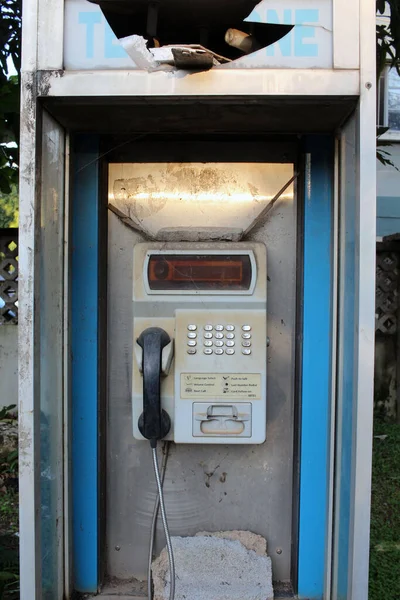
89	42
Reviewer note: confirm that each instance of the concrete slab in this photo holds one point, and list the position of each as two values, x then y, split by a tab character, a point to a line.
213	567
117	597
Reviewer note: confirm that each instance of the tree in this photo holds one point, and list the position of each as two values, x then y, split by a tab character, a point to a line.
388	36
10	50
9	208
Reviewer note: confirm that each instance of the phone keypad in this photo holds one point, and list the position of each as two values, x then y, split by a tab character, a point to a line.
218	339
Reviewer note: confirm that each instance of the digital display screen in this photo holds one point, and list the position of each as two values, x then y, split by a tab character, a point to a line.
199	272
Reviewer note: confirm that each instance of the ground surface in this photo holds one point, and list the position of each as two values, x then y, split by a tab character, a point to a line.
385	519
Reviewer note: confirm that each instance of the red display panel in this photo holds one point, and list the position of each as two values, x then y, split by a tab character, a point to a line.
199	272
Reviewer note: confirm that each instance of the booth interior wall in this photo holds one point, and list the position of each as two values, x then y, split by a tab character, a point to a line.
206	487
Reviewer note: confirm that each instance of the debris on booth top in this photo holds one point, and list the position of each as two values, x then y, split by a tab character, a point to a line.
188	34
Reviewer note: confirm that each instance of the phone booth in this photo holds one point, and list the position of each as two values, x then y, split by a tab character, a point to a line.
197	250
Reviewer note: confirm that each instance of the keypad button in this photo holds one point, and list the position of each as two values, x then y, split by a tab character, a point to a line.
218	343
246	344
208	350
192	327
218	351
246	327
192	343
219	336
219	327
230	336
192	335
191	350
230	351
208	327
230	343
246	351
230	328
246	336
207	343
208	335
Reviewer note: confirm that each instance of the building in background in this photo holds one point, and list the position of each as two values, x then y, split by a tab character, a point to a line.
388	177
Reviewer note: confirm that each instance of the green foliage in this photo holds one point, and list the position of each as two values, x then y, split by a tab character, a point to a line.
384	581
9	568
9	211
10	49
9	562
388	36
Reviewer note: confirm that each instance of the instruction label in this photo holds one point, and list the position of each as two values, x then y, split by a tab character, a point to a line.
221	386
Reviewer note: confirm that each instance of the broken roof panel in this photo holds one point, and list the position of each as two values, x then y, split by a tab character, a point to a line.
205	22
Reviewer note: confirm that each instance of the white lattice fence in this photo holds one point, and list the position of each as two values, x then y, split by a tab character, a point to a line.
8	276
387	297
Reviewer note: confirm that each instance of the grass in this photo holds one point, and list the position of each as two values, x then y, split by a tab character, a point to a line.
9	562
384	579
9	512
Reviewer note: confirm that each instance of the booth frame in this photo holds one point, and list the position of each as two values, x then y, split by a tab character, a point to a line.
45	143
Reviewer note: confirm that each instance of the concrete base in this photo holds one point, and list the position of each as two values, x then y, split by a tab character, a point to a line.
117	596
215	567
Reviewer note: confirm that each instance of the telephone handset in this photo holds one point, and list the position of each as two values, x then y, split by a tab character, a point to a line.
154	422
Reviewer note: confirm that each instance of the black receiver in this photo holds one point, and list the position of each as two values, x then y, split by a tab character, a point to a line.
154	423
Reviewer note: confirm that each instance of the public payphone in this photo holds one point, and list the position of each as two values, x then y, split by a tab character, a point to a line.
200	334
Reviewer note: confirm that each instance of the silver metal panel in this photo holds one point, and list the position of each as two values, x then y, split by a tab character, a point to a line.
365	297
346	34
252	82
51	345
28	400
50	34
29	467
214	487
347	201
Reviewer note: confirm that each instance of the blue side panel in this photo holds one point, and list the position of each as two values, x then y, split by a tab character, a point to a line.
85	311
316	367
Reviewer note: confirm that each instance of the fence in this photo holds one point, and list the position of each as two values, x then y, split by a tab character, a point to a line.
387	338
8	276
8	317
